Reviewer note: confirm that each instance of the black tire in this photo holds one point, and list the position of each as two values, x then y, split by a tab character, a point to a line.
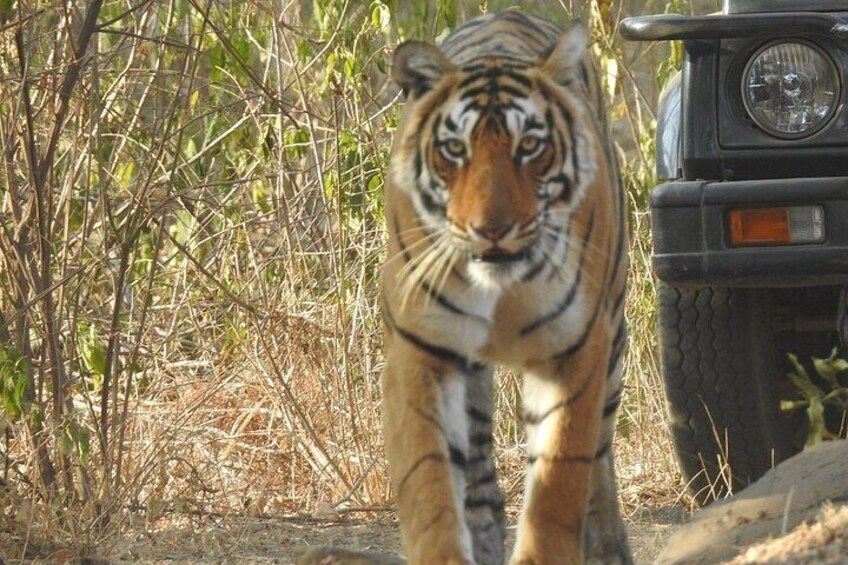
722	371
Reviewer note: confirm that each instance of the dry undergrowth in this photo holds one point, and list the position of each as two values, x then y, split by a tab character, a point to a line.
198	303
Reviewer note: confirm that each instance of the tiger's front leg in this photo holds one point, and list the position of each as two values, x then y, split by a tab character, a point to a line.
427	446
563	403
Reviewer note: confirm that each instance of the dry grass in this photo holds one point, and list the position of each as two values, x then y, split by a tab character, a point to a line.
197	303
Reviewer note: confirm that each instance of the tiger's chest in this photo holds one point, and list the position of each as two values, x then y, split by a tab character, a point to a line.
512	327
533	324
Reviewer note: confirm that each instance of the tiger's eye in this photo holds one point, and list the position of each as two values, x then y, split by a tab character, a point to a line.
454	148
528	145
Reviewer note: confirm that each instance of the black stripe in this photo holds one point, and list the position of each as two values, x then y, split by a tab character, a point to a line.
517	77
433	419
575	347
612	406
619	250
620	335
536	419
473	502
419	165
534	271
533	123
507	89
577	394
478	415
603	450
434	128
492	90
560	148
481	439
447	304
572	135
465	30
476	91
457	457
584	75
615	357
572	291
619	299
520	66
518	61
618	344
486	479
433	522
450	124
477	459
437	457
567	189
487	107
556	272
437	351
474	77
430	204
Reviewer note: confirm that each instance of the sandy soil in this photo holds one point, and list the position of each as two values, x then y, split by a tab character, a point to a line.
822	543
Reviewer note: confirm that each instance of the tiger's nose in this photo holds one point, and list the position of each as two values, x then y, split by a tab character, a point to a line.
492	232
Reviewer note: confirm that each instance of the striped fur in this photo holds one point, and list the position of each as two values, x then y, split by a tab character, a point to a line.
507	245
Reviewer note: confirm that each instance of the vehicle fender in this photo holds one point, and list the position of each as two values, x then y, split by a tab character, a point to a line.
669	120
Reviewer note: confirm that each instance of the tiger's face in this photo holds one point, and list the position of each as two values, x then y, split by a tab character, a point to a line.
492	157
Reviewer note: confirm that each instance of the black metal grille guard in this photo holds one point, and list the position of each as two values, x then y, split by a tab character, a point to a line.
784	24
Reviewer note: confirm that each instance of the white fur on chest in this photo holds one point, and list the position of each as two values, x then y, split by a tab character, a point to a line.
468	334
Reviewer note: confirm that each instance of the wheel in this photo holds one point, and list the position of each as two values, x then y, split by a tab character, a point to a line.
722	370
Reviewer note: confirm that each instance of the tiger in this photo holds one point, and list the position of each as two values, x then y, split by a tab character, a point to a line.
507	246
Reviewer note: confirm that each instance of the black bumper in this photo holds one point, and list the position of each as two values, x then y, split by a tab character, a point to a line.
691	244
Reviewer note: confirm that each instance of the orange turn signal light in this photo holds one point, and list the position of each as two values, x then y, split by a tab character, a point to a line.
776	226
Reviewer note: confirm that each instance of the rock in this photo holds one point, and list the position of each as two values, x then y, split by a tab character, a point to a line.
788	495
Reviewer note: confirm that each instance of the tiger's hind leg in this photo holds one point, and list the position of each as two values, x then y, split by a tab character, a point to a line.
484	503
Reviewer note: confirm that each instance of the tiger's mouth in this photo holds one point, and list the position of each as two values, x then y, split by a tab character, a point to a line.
500	256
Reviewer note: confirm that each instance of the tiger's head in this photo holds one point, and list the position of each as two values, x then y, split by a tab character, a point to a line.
496	154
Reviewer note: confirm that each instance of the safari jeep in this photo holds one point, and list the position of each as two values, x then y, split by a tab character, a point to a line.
750	226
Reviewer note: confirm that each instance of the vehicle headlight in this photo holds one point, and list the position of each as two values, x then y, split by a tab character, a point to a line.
791	89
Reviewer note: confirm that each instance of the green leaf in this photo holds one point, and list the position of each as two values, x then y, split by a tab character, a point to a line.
381	17
808	389
799	368
818	429
92	354
66	442
830	368
14	383
817	397
83	445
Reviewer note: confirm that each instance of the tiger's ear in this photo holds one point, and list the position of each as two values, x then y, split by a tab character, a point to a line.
417	66
566	54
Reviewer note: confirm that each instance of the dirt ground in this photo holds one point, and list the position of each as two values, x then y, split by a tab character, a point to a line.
279	541
800	509
262	541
